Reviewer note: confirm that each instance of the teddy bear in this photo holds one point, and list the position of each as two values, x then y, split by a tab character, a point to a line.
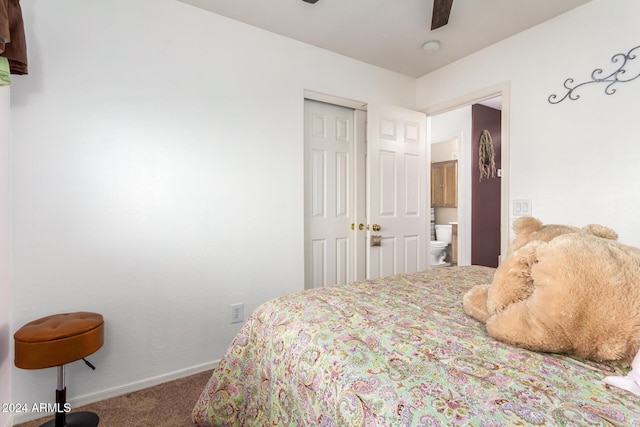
564	289
507	286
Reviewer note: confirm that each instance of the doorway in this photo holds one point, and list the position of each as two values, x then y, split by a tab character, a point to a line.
454	120
444	196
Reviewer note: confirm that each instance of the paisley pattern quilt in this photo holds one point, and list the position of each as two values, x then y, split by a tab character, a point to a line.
399	351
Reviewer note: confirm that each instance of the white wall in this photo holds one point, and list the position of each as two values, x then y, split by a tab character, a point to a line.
6	356
577	160
158	178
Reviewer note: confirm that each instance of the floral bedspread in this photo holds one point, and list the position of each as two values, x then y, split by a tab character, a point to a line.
399	351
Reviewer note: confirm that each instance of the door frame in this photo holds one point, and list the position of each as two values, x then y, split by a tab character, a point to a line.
503	90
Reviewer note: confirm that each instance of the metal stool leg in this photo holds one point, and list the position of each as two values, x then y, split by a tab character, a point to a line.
74	419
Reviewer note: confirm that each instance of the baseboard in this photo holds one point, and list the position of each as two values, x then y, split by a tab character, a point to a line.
118	391
139	385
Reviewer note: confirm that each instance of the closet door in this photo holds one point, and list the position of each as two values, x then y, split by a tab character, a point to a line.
329	194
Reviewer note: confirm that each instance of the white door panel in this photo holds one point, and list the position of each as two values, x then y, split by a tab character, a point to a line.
397	189
360	196
329	181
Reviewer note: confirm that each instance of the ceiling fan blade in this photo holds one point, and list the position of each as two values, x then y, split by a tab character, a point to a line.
441	12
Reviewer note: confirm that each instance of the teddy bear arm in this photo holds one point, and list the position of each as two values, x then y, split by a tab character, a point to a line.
512	290
519	326
512	281
474	302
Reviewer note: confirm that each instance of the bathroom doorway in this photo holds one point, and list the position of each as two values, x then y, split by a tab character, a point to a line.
477	233
444	201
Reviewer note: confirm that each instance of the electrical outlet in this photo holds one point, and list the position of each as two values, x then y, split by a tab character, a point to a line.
237	313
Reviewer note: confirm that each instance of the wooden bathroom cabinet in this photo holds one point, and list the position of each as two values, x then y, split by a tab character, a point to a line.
444	184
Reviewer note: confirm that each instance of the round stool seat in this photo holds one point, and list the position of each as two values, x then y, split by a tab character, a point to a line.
58	339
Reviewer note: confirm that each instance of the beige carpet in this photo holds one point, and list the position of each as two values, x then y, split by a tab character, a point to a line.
165	405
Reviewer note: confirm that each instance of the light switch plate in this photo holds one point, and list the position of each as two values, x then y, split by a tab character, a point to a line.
522	207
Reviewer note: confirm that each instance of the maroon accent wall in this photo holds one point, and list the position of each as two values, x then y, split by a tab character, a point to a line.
485	194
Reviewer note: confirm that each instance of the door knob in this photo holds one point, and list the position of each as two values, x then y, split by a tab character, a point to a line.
375	227
360	226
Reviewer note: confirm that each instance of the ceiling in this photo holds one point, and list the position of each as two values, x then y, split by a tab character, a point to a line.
390	33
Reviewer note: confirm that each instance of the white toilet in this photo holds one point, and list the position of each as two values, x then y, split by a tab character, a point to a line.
438	252
439	246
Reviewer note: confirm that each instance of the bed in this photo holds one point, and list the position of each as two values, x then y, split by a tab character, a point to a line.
399	351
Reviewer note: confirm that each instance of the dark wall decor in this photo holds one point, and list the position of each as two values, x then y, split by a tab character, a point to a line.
597	76
485	193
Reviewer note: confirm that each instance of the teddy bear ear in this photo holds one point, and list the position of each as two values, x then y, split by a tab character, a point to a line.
601	231
526	225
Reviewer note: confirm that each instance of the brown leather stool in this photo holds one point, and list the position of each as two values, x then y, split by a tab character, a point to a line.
55	341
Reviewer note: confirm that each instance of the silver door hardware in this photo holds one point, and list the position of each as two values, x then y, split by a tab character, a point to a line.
376	239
